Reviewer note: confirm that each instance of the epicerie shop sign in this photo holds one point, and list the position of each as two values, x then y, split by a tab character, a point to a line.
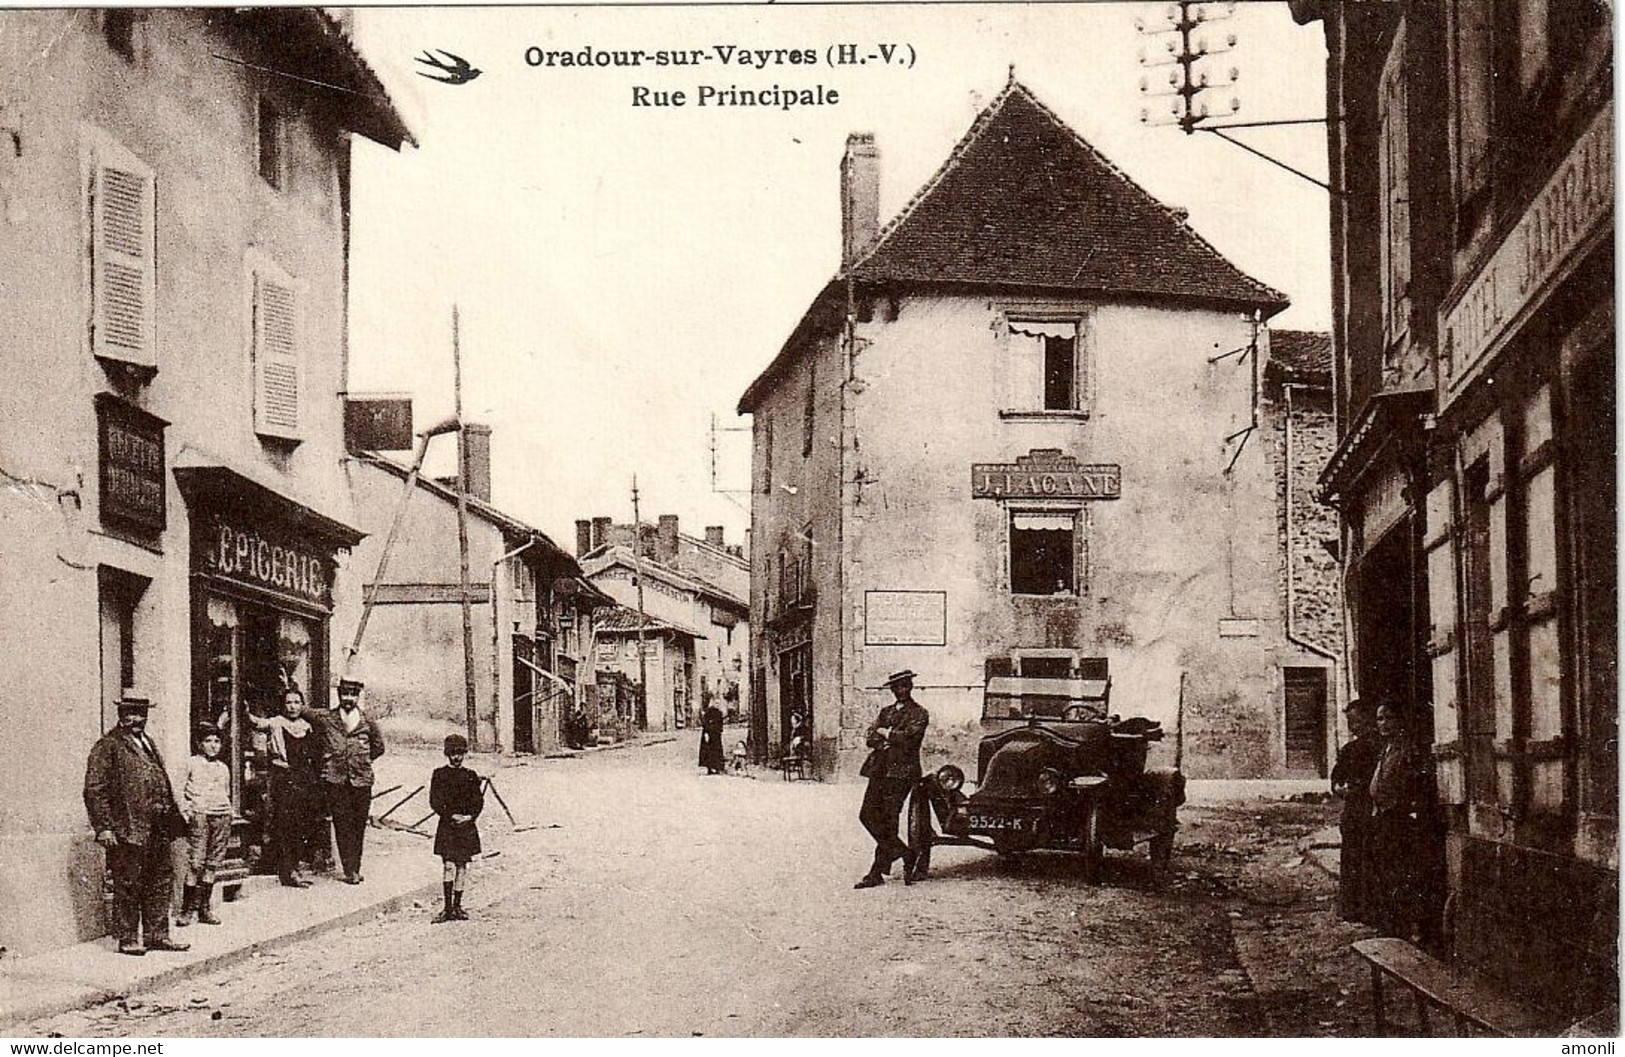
248	557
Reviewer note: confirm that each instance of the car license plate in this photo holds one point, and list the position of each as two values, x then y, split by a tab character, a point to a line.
1005	823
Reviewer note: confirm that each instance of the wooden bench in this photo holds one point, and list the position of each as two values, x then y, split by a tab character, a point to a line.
1473	1003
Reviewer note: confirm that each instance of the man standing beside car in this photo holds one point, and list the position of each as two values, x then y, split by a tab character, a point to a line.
893	769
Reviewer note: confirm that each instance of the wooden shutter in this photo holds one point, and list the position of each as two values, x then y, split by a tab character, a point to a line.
276	355
123	273
1393	165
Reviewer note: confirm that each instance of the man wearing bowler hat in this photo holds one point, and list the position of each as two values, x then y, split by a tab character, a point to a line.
893	768
133	810
350	742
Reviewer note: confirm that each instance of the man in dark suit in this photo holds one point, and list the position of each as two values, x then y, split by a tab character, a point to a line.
351	742
133	810
893	769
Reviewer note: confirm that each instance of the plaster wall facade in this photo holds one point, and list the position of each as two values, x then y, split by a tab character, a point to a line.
1181	574
64	95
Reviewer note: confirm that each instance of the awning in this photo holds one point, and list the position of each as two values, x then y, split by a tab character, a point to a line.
1044	329
1387	417
206	478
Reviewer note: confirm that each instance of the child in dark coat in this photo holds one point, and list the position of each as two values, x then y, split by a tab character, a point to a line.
457	796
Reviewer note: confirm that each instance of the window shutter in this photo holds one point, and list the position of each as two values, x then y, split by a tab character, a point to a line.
276	355
1393	163
123	274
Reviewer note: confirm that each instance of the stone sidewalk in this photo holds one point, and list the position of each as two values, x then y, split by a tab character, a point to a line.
399	867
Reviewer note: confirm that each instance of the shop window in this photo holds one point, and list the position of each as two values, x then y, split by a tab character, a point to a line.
1044	367
271	141
276	354
123	250
1043	548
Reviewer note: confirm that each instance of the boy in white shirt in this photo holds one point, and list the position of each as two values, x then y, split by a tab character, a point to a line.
207	805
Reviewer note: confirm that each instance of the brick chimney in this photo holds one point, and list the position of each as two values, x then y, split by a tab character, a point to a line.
713	535
600	531
666	539
583	537
860	195
477	459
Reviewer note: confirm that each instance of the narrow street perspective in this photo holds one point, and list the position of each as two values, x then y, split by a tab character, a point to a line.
863	519
655	900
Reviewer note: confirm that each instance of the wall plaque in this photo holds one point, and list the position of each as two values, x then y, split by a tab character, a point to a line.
905	618
1045	473
131	466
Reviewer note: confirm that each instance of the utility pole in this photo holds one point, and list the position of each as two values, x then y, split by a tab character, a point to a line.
471	713
643	619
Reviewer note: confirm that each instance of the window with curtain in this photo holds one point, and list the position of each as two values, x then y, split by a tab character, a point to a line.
1042	549
1043	371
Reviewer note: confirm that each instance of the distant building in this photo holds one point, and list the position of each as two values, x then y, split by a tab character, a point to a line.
173	512
532	612
698	632
1476	469
1035	419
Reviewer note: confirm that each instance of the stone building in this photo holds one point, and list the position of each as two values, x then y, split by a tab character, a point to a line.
1476	476
697	632
1027	423
531	612
173	509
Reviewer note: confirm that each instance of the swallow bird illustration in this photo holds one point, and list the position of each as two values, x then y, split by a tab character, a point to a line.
457	71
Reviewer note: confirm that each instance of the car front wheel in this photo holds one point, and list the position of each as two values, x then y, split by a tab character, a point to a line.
1094	850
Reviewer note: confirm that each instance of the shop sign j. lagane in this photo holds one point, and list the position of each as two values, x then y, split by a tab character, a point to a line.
1045	473
267	559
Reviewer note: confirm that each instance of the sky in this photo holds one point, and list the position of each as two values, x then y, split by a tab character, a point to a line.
622	273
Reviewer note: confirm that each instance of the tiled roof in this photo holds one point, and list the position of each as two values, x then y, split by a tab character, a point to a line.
314	46
1024	201
1304	355
620	620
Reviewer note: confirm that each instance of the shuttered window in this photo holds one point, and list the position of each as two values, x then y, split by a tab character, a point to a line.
123	274
276	355
1394	171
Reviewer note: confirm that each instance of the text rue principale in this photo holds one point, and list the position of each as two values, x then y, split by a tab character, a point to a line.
774	97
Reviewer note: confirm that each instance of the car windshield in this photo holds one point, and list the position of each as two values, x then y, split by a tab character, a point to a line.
1059	700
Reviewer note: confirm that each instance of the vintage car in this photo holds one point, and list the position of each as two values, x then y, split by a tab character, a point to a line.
1055	770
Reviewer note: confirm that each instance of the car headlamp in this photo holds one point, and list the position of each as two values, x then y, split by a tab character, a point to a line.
950	777
1050	781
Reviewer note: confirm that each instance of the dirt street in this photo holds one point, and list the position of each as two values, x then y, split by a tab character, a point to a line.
655	901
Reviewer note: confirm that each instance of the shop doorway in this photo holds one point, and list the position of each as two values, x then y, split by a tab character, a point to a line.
1305	692
1385	592
795	695
524	695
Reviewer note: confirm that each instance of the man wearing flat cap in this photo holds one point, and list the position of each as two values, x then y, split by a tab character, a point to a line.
133	810
893	768
350	742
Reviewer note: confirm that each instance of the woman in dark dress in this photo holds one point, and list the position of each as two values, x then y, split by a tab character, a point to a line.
712	758
457	795
1351	780
1401	835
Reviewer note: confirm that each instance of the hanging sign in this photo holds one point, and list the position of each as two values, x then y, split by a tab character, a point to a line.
1045	473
